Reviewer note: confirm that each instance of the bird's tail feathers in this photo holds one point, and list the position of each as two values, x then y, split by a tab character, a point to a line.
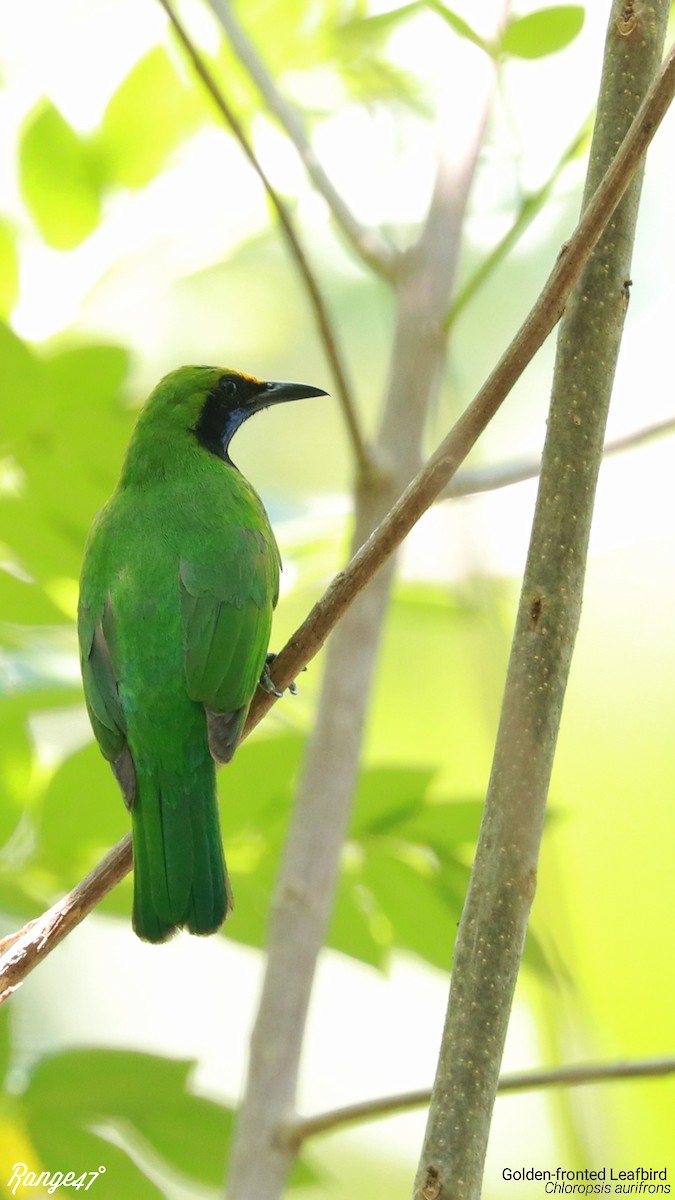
180	877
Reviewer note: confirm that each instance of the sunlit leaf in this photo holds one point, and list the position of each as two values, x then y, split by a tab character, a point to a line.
443	826
22	601
21	789
150	113
93	423
21	384
422	919
380	25
83	816
59	180
15	767
373	80
356	48
9	268
70	429
457	24
386	797
543	32
43	544
358	927
256	790
5	1041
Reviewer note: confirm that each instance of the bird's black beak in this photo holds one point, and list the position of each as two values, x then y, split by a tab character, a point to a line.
278	393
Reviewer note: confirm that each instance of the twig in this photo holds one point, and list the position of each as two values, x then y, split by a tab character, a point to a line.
41	936
298	1131
367	244
323	319
492	929
419	495
490	479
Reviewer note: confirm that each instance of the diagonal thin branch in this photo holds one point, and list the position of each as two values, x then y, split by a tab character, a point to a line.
367	244
323	319
36	941
471	482
299	1130
39	937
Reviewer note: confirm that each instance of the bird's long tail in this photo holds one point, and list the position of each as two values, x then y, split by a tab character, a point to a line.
180	877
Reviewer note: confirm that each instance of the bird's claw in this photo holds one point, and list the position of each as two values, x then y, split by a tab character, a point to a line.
266	682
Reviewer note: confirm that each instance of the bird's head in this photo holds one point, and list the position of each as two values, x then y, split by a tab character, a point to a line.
208	404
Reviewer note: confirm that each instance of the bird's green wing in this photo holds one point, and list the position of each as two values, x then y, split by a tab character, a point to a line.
227	600
96	633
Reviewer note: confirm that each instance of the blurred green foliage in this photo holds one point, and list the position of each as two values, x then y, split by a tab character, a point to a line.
74	1103
542	32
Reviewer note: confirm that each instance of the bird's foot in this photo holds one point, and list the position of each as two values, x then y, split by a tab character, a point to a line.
266	682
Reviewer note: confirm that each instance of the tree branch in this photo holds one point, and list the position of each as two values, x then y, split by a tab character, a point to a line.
324	321
299	1130
491	479
419	495
39	937
367	244
492	929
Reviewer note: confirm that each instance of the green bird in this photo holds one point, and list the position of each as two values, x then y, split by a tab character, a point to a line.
179	581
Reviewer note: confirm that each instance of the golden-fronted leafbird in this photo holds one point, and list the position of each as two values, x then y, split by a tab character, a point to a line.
179	581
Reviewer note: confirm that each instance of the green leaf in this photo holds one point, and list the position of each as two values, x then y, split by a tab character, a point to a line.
421	916
149	114
15	766
21	789
70	429
45	545
385	797
58	177
5	1041
358	927
380	25
83	817
90	376
443	826
91	424
23	602
9	268
356	49
146	1098
21	380
256	791
458	24
543	32
402	883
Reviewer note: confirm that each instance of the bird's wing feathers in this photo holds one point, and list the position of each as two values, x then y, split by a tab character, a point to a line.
226	608
227	596
96	628
100	683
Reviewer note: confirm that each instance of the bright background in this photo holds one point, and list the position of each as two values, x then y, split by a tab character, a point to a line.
130	225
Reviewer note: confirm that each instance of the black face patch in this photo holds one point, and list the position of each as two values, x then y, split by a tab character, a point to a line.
227	405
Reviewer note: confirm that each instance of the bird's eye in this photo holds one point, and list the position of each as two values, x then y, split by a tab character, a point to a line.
228	387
